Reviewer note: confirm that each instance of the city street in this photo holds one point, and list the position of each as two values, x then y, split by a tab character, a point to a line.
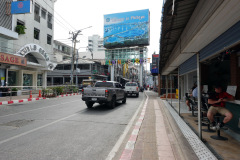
62	128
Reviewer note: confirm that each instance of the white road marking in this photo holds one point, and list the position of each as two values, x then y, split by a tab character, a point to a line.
122	137
37	109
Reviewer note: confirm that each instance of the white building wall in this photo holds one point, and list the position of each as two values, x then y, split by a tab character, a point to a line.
96	44
30	24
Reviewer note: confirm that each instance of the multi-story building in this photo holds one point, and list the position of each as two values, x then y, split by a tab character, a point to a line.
31	38
95	43
62	51
7	35
95	49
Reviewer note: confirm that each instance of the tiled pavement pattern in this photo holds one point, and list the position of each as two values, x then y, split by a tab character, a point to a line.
159	137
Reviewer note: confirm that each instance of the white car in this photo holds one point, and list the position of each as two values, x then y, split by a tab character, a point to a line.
131	88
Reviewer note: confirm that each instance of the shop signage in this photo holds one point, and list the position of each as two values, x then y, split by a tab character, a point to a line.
34	48
11	59
122	61
21	7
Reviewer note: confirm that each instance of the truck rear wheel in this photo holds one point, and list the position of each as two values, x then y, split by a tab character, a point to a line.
112	104
89	104
124	99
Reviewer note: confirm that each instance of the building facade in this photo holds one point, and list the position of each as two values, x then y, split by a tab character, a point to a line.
62	51
34	42
200	43
83	69
95	49
7	36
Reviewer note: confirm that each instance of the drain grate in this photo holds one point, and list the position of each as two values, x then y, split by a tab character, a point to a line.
198	146
17	123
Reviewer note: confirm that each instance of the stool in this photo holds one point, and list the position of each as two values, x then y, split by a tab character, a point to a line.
193	105
208	128
218	136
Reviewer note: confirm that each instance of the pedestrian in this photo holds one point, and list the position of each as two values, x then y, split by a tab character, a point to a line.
217	105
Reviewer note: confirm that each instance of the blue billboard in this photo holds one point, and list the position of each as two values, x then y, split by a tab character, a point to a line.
126	29
21	7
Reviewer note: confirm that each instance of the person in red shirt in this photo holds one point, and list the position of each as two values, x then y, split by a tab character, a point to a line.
217	105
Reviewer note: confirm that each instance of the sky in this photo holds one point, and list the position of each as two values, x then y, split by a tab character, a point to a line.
72	15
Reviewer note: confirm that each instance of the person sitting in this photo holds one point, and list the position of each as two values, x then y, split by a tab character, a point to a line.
188	97
217	105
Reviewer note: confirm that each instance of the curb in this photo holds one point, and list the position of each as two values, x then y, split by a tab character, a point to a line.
20	101
34	99
128	151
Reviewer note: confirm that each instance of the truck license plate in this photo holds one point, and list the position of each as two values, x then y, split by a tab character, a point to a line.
130	92
94	99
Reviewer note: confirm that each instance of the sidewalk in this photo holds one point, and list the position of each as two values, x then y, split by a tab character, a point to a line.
164	136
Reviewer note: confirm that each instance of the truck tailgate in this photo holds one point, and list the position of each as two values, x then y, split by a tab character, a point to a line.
131	88
94	92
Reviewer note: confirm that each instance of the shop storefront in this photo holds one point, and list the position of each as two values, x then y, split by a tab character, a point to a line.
32	74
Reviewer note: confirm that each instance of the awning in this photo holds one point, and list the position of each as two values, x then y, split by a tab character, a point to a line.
173	26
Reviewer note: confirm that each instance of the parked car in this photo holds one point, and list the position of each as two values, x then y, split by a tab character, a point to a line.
131	88
104	92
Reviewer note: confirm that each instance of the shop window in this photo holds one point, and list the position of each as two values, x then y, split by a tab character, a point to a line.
67	79
49	81
12	78
49	39
37	12
43	13
57	80
40	80
27	81
36	33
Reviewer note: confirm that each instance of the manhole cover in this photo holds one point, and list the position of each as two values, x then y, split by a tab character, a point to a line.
17	123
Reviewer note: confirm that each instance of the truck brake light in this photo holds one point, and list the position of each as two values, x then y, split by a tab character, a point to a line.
106	93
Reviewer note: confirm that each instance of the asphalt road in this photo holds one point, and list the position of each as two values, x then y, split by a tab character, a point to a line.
62	129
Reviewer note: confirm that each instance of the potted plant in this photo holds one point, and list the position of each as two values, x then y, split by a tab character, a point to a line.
20	29
14	91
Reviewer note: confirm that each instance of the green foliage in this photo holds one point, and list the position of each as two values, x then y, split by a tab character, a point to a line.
58	90
20	29
14	89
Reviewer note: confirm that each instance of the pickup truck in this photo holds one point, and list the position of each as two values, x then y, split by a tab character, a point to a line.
104	92
131	88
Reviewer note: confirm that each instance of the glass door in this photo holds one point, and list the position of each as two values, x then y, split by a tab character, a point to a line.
27	81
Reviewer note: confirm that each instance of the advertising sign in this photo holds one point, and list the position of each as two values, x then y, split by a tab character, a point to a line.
155	59
126	29
11	59
20	7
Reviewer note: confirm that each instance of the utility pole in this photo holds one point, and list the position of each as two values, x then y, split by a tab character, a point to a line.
74	41
77	70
